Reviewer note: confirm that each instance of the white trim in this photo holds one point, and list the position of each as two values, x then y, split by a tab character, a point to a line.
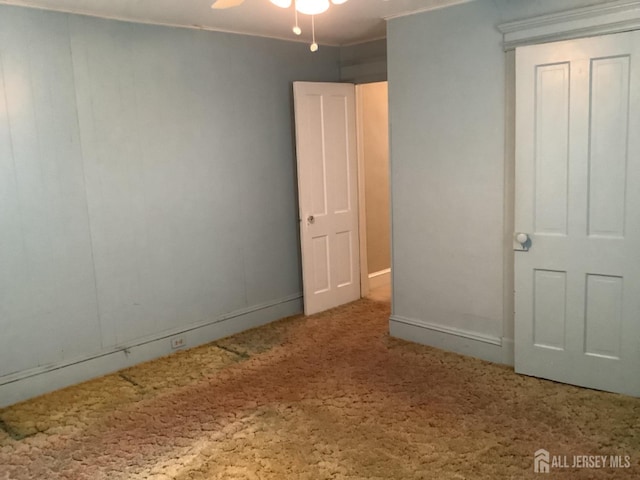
379	279
391	197
468	334
294	39
509	175
362	42
30	383
362	212
425	9
611	17
465	342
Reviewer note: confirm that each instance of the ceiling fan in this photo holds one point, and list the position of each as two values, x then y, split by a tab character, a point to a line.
305	7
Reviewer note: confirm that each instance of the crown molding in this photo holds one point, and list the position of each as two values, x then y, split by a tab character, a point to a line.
611	17
430	8
141	21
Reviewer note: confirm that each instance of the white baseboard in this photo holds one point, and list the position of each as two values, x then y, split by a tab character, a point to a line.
380	279
464	342
508	351
24	385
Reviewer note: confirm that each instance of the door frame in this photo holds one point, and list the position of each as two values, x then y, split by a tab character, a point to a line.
365	280
360	169
600	19
362	211
509	213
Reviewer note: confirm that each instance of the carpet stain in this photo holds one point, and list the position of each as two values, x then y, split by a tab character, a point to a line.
11	433
242	355
127	379
330	396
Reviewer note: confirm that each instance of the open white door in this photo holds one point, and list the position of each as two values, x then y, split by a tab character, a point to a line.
328	193
578	199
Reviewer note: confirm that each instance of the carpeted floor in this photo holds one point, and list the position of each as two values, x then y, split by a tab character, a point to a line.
329	396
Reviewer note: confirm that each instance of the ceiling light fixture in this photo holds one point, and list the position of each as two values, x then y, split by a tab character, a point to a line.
307	7
281	3
312	7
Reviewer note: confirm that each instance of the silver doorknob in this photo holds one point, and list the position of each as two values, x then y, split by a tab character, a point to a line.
311	219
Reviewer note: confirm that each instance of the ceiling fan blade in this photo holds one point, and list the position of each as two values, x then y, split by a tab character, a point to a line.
220	4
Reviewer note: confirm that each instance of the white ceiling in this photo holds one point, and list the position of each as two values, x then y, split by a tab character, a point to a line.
353	22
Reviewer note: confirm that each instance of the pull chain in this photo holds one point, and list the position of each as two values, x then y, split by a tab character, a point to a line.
314	45
296	29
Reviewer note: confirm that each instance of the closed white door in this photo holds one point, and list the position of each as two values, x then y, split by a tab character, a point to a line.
328	193
578	199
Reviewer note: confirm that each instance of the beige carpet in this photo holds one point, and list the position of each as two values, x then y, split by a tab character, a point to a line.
330	396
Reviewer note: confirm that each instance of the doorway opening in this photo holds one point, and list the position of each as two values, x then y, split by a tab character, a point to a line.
373	186
342	151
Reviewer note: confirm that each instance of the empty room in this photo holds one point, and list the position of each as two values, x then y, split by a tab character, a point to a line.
319	239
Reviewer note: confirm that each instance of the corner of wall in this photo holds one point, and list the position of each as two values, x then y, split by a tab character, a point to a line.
364	62
472	344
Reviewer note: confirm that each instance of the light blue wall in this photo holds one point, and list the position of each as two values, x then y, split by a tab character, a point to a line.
446	89
447	119
147	185
364	62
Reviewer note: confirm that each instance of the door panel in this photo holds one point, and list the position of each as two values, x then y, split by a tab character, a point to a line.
552	148
608	145
327	186
577	296
549	310
603	318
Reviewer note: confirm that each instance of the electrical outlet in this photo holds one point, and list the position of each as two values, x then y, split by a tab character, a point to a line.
178	342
